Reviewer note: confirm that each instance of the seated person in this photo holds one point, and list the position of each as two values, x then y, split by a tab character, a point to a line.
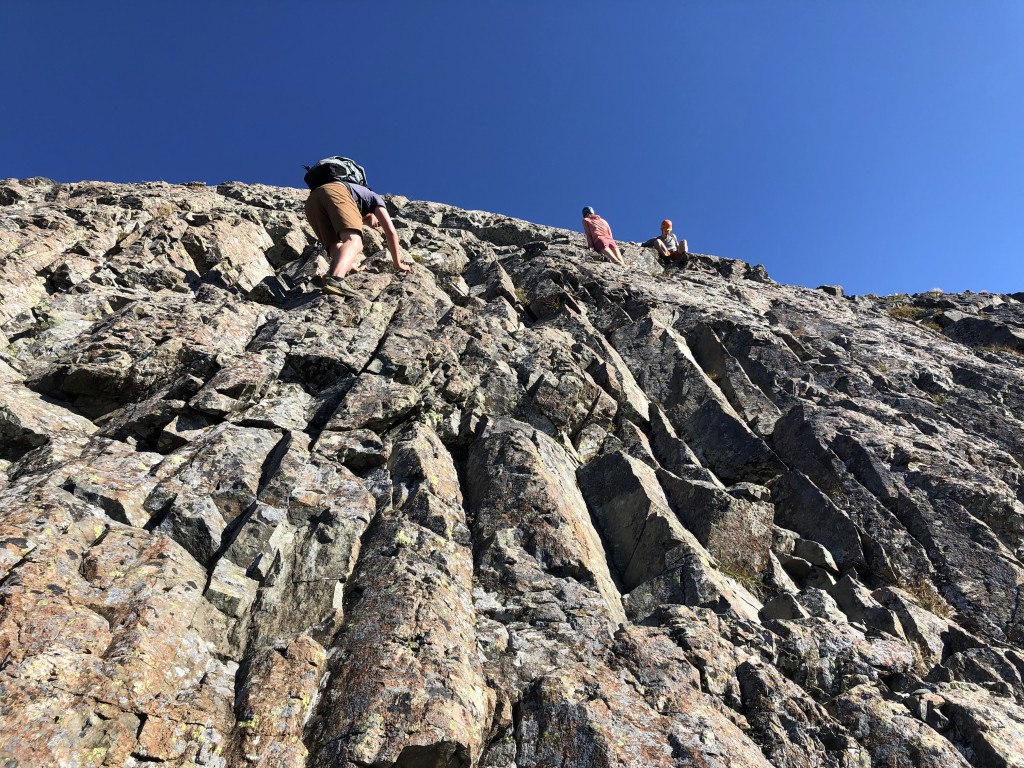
668	245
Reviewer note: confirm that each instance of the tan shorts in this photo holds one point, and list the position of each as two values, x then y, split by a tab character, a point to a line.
331	210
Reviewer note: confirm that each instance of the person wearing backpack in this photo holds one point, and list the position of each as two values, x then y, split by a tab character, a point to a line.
339	203
599	236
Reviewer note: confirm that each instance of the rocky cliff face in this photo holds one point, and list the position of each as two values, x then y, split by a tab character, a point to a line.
518	508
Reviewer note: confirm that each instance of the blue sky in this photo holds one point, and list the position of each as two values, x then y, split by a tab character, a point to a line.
872	144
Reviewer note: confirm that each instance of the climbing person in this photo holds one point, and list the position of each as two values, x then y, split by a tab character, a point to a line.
668	245
599	236
336	209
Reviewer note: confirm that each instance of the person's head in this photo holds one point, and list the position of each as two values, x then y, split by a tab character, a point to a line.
588	211
666	226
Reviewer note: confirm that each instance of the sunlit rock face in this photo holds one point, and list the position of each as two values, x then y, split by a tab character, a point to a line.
518	508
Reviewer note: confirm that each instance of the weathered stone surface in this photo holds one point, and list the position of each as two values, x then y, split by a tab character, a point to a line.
234	249
734	530
409	681
373	403
860	605
784	606
890	734
230	591
27	421
792	729
209	484
528	510
117	480
302	540
563	725
989	726
111	627
269	729
757	409
518	507
656	558
694	405
826	656
634	517
802	507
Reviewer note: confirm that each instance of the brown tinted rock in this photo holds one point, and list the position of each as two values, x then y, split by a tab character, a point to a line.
122	601
27	421
275	701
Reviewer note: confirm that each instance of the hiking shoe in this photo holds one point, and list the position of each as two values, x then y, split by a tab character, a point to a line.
337	286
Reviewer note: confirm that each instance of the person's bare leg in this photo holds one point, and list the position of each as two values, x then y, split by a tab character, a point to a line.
348	250
618	256
333	257
612	256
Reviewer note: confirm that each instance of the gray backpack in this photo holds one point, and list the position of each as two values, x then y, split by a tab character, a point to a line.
334	169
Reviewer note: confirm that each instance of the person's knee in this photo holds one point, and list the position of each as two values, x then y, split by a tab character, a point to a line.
350	238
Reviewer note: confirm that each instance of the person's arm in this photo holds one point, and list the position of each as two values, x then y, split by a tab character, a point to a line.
391	235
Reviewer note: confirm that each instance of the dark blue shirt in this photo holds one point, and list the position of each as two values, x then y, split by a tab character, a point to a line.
366	199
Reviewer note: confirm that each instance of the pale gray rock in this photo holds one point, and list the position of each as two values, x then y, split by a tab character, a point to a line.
859	605
230	590
736	531
784	606
987	725
814	553
890	734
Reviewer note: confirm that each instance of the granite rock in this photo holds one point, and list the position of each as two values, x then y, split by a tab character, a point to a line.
520	507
